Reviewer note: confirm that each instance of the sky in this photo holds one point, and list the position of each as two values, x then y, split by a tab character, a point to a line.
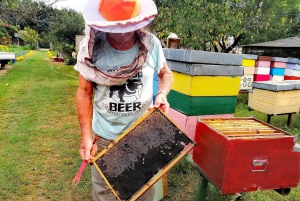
74	4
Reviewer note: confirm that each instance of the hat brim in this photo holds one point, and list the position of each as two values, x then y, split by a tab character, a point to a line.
94	19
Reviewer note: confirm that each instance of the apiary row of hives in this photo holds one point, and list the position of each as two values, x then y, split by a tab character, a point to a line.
234	154
264	68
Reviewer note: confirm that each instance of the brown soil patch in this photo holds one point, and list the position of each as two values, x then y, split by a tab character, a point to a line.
5	69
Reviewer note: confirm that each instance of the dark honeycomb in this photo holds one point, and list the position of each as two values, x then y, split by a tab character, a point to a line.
141	153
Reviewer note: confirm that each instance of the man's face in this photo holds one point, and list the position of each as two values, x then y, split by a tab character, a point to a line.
121	37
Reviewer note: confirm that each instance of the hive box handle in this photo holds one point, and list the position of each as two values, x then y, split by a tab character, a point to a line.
259	165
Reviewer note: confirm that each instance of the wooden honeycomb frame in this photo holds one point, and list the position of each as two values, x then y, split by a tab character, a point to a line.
152	146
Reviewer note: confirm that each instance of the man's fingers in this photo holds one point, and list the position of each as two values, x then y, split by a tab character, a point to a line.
94	150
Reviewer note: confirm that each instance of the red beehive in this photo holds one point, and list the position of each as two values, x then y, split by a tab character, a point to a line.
245	154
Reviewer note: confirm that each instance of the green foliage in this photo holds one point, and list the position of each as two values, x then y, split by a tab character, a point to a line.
70	61
29	36
65	25
199	22
5	38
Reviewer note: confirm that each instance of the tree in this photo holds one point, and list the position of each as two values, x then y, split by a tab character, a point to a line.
24	12
4	35
65	25
209	24
29	36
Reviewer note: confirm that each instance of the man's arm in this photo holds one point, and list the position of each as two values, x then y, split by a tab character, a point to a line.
85	114
165	82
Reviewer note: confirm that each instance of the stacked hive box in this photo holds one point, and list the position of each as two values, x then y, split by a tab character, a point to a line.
275	97
262	68
249	68
277	70
292	71
205	83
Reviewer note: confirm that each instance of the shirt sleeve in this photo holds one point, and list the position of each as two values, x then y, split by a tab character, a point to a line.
157	54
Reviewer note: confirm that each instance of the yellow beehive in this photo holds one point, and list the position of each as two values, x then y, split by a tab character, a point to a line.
206	85
275	102
248	62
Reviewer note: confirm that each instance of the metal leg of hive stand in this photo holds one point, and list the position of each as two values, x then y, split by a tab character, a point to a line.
289	122
202	189
235	197
269	118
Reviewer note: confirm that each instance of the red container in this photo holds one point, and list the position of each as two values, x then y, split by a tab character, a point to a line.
245	154
258	77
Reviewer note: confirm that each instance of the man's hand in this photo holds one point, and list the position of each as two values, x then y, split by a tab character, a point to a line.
87	149
161	102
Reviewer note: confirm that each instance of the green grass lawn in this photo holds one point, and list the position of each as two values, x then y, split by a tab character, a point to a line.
39	135
39	132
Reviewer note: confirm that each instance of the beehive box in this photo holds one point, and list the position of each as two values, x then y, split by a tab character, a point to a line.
248	65
270	102
275	97
259	78
202	105
245	154
206	85
142	155
188	123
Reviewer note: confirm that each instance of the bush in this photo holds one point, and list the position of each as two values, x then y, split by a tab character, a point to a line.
70	61
26	47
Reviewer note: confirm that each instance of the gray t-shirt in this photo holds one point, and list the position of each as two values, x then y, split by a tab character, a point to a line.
117	108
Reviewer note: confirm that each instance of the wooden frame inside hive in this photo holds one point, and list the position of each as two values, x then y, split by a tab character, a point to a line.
142	155
244	127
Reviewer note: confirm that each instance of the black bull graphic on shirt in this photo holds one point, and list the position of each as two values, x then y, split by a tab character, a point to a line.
130	87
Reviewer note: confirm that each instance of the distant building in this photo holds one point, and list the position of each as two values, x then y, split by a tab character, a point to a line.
288	47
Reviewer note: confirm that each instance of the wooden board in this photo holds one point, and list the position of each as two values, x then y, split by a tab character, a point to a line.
262	70
249	70
203	57
259	63
261	77
291	78
265	58
291	66
285	85
248	62
277	64
202	105
204	69
206	85
294	73
277	71
277	78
